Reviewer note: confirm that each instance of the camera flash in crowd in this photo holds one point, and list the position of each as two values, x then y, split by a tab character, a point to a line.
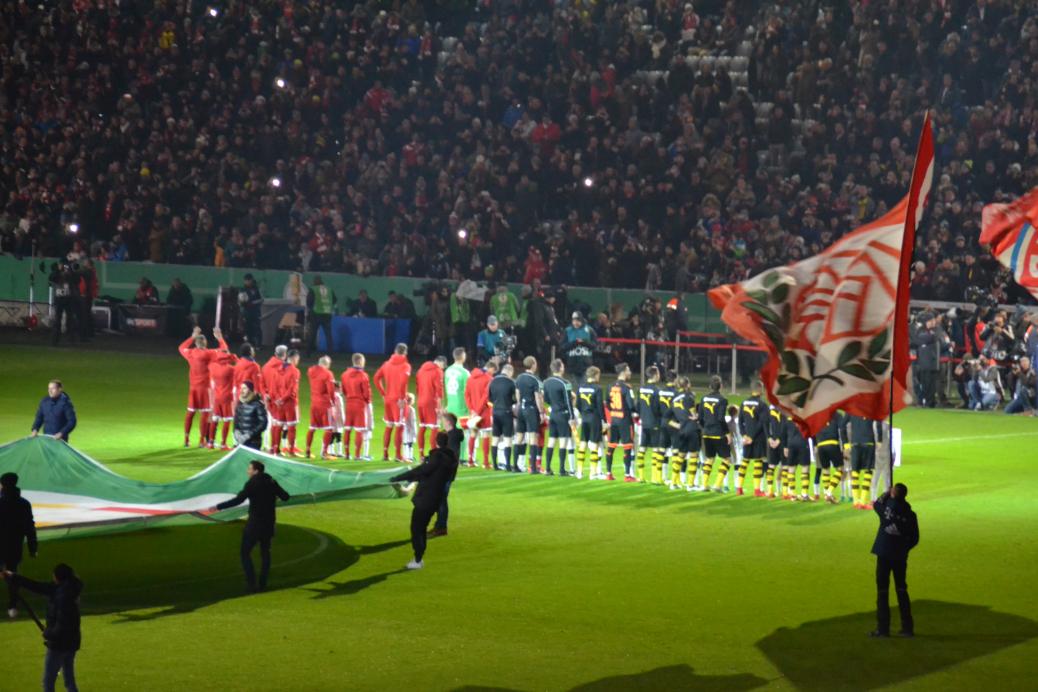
279	83
275	182
213	12
462	233
73	228
588	182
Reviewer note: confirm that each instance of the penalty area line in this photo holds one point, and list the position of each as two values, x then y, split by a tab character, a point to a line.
938	440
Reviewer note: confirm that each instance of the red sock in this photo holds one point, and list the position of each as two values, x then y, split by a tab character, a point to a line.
326	441
486	450
291	437
226	429
203	426
421	443
188	419
310	440
359	437
472	448
275	439
346	442
399	443
386	437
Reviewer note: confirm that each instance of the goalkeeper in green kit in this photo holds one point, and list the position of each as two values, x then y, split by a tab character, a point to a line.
455	378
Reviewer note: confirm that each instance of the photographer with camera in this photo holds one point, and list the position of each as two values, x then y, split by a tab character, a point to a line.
490	343
986	386
1024	387
928	357
998	337
577	346
64	282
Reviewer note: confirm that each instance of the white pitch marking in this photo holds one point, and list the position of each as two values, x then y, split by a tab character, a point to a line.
935	440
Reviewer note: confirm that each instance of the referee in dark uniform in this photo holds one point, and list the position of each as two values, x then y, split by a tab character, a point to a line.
502	398
898	533
528	418
559	399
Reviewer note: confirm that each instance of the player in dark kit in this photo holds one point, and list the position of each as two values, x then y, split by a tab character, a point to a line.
798	461
666	393
773	430
592	414
716	439
862	436
559	398
829	444
620	406
753	422
502	406
528	417
649	421
686	436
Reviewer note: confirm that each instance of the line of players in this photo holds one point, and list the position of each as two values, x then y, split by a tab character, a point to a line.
524	424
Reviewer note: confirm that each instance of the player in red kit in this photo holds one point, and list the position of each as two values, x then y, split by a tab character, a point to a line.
287	401
356	389
391	382
198	355
221	374
271	374
477	399
247	370
429	383
322	398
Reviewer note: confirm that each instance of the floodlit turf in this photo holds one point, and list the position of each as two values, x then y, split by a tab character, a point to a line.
543	583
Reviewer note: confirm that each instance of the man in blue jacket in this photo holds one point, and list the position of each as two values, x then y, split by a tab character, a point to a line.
898	533
55	416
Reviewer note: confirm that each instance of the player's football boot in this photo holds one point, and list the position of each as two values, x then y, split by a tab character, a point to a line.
610	477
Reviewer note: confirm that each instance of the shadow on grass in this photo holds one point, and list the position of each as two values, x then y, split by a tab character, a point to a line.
151	574
946	634
677	677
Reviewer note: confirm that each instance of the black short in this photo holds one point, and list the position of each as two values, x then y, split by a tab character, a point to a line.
591	429
757	449
503	425
665	436
716	447
798	456
689	440
558	426
619	433
863	457
775	456
830	456
650	437
529	421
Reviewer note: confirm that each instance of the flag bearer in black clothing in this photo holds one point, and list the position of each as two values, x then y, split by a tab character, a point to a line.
559	398
898	533
798	461
262	492
433	479
528	418
862	437
620	406
17	531
716	440
685	438
829	449
649	420
667	434
753	420
775	458
502	405
592	422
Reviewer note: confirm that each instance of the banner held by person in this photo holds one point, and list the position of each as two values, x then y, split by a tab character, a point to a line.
1009	230
827	322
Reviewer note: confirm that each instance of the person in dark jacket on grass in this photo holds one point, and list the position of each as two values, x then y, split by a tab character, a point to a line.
898	534
455	438
250	417
61	634
262	492
433	477
55	416
17	528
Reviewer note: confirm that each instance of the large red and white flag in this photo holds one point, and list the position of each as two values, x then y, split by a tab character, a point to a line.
1009	229
835	325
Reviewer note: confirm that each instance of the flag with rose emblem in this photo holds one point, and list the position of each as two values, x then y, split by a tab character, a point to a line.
1009	229
835	325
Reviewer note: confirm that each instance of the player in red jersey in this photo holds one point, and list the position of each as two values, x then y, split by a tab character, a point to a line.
221	374
477	399
356	389
271	374
286	401
391	381
322	398
198	355
247	370
429	383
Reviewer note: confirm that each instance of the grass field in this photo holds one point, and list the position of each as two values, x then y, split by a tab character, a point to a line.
543	583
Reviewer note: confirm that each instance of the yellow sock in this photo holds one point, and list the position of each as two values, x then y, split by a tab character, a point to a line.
805	482
675	469
722	472
640	463
743	467
594	462
769	479
708	466
856	487
834	480
581	453
657	466
825	479
866	487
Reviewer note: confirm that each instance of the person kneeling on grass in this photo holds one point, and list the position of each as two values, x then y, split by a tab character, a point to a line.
262	492
433	477
61	634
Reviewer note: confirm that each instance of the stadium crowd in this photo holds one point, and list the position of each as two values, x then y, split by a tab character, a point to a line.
638	144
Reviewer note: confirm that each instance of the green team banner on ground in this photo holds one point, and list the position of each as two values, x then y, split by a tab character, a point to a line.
120	279
72	494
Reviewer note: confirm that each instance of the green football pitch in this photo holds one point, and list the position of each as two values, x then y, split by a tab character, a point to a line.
543	583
